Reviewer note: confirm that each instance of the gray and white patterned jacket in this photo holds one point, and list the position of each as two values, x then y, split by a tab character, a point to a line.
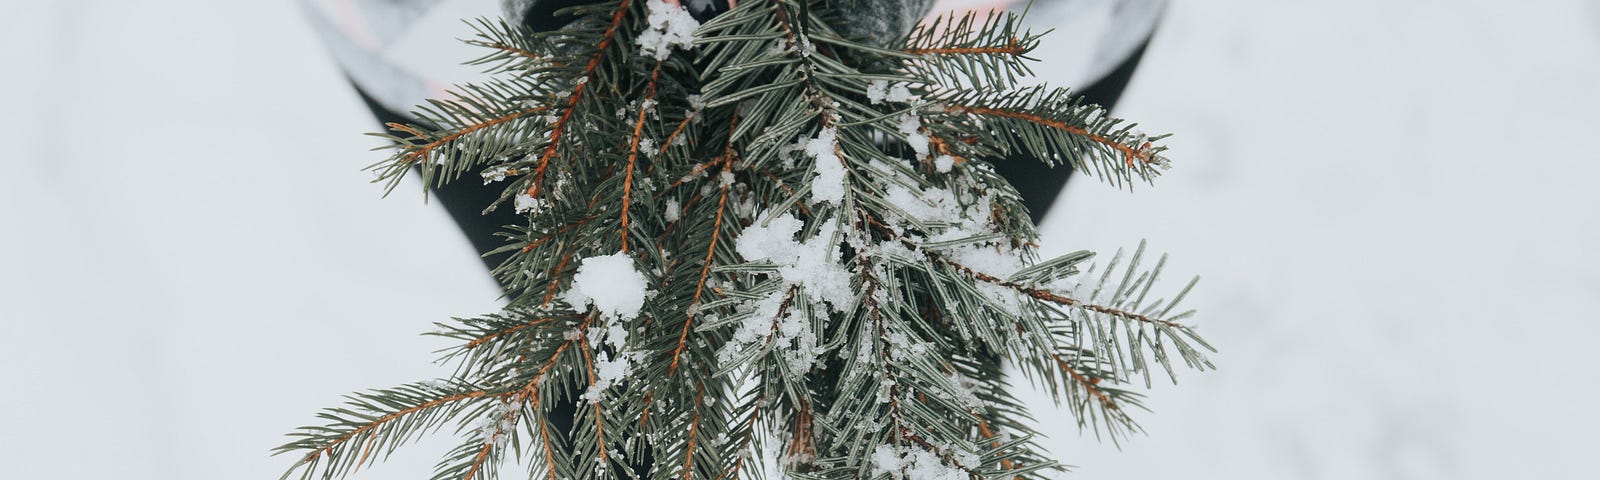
402	52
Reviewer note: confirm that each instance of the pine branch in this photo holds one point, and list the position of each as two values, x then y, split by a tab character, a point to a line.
561	124
381	420
765	236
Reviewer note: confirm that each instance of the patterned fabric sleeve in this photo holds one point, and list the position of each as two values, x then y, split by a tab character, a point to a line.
402	52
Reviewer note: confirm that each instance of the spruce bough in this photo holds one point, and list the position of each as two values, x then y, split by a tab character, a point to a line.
759	241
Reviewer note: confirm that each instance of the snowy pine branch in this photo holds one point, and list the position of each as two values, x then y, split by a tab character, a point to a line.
760	242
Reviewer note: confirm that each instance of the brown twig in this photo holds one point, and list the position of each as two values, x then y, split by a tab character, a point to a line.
633	152
560	125
1011	48
423	151
699	289
1129	154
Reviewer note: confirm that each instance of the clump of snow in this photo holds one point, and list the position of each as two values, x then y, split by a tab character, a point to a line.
828	184
911	127
879	91
793	337
670	26
965	219
886	459
912	463
526	203
609	369
1000	262
492	427
944	163
671	211
813	267
903	347
813	263
610	366
931	205
495	174
611	284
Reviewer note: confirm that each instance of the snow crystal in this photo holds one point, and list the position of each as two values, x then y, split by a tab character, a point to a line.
611	366
671	210
610	283
492	426
794	339
438	385
931	205
495	174
997	261
912	463
828	185
608	370
944	163
879	91
885	459
911	127
526	203
670	26
904	348
813	263
967	459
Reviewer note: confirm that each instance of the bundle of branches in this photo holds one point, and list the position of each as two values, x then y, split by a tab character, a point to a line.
760	242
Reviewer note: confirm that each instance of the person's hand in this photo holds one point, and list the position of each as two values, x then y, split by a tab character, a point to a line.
878	20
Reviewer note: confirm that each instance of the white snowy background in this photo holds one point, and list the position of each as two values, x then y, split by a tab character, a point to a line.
1392	204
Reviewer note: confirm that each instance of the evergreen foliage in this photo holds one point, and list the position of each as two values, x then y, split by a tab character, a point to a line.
836	276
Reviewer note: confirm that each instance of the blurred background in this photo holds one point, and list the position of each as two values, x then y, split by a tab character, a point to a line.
1391	203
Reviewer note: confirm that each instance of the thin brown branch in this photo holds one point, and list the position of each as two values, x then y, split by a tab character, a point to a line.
544	437
699	288
506	331
560	126
364	451
988	434
1011	48
531	389
1090	385
391	417
667	144
599	417
1053	297
725	160
550	292
694	428
749	429
1129	154
483	454
422	152
633	151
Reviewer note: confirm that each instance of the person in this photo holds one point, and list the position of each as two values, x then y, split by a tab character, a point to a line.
374	42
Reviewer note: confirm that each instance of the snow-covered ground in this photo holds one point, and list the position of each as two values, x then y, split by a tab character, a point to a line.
1390	203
